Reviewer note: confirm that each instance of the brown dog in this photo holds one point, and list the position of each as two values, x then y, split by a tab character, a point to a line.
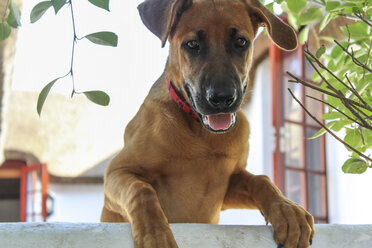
187	167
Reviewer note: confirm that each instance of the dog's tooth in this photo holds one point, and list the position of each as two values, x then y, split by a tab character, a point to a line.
205	120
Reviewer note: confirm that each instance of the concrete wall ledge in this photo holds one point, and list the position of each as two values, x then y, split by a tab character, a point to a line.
101	235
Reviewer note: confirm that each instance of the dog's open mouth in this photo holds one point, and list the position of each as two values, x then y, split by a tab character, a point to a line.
219	122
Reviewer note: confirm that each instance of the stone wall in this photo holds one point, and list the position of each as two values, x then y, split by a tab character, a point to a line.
67	235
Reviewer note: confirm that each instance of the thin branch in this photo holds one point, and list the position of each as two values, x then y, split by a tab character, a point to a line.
298	80
367	60
349	104
361	112
329	71
355	60
73	48
348	37
352	88
339	93
348	16
318	72
352	17
362	18
354	91
333	107
353	110
327	129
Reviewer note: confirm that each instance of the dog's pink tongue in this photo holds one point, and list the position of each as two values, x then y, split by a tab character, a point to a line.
220	121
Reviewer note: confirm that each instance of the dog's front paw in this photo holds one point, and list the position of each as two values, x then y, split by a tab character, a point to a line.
293	226
153	237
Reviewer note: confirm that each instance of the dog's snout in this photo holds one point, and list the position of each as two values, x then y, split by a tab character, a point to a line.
221	97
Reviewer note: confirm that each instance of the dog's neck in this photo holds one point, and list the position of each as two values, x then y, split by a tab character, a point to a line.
179	100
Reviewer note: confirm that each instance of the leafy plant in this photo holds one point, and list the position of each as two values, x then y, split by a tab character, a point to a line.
10	19
343	73
101	38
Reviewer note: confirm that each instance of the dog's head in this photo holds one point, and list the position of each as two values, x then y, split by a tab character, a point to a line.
211	43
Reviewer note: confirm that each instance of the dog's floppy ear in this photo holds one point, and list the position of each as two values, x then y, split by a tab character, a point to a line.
281	34
161	16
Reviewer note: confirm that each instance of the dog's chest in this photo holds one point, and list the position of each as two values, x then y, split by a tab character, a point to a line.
194	191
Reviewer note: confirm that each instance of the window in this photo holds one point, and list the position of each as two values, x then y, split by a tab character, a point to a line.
23	192
299	162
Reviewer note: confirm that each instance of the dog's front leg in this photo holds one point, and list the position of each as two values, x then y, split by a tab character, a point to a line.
293	226
136	199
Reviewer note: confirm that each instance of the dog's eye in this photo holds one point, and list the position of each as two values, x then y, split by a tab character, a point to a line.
240	42
193	44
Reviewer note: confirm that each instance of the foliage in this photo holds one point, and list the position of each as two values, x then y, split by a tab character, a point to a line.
342	73
11	19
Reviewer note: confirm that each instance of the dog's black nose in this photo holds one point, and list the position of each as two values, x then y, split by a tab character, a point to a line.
222	97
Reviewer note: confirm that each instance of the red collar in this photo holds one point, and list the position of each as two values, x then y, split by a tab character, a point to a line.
182	104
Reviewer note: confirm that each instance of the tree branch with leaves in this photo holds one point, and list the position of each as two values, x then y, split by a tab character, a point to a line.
11	19
343	74
101	38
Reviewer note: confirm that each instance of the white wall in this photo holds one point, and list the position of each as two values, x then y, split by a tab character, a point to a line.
349	195
67	235
76	202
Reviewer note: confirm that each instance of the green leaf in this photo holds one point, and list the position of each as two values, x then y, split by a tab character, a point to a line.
322	130
14	17
367	134
331	65
357	1
332	115
311	15
355	166
104	4
353	138
296	6
341	124
304	35
4	31
332	5
328	17
270	7
103	38
364	84
58	4
316	78
336	51
294	20
357	31
320	51
39	10
43	95
98	97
